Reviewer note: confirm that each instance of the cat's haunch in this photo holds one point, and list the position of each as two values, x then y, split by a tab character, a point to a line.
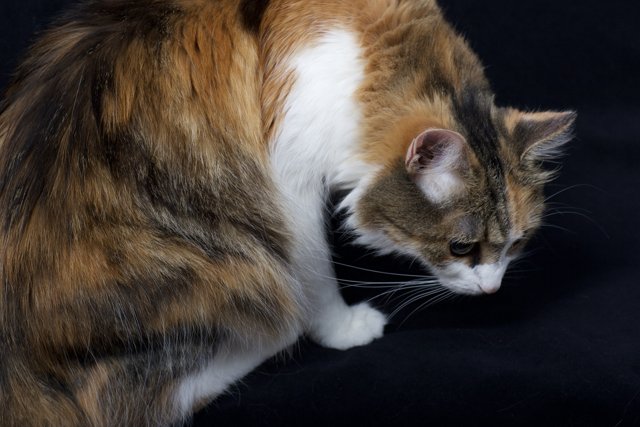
164	170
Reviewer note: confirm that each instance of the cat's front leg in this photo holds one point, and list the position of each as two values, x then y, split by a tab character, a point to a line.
337	325
331	322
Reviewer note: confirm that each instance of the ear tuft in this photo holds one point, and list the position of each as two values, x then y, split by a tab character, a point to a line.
434	161
541	136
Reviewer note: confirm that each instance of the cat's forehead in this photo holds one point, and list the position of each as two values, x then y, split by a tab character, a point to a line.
481	126
474	114
502	211
482	216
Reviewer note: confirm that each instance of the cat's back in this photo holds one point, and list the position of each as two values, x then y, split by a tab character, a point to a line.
132	172
120	93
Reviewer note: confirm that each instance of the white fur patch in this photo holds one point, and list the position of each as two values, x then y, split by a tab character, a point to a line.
440	184
319	135
490	275
315	147
230	364
482	278
317	150
224	369
434	158
346	327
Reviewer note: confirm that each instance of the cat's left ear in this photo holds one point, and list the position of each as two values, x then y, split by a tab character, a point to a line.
435	161
540	136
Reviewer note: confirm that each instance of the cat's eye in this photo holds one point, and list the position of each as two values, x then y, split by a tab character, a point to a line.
461	249
517	244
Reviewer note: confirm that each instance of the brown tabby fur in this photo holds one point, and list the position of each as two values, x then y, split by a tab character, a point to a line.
138	218
140	227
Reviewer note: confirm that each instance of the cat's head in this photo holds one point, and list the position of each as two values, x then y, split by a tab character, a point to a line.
466	198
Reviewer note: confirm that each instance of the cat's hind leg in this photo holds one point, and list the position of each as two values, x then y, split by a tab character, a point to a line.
165	387
230	363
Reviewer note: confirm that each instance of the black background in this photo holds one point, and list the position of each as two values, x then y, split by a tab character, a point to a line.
559	345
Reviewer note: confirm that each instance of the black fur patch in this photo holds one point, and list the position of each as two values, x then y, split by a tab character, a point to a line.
472	108
473	112
251	12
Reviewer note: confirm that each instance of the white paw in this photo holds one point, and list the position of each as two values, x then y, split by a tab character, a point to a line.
350	327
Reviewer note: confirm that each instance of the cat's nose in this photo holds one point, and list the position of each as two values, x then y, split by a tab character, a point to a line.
490	276
490	287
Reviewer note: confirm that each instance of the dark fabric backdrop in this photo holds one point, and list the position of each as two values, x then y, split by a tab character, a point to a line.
559	345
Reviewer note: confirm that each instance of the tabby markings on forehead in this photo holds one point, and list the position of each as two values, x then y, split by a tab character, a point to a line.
473	113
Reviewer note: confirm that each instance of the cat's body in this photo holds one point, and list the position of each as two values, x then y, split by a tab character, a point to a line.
164	169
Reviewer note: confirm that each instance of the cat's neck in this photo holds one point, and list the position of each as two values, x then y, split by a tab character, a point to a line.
346	96
320	132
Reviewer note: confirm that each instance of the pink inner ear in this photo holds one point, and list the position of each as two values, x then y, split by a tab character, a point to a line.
432	146
411	152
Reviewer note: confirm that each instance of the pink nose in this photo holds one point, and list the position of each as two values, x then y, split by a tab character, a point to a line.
490	288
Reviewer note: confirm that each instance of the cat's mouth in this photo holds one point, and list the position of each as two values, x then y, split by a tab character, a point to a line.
463	288
483	279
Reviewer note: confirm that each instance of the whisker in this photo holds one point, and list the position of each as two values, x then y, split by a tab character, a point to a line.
358	282
414	296
561	205
425	279
571	188
440	298
563	212
580	214
388	273
558	227
384	285
418	297
391	294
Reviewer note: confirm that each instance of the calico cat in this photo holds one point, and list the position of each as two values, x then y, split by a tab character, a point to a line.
164	170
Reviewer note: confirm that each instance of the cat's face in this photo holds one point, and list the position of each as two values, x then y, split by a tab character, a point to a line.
462	205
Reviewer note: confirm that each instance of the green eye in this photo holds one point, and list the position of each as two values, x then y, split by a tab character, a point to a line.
461	249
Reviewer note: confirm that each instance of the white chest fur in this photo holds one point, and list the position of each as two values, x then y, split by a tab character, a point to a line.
317	150
319	134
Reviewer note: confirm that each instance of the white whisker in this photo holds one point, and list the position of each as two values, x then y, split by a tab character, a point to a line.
558	227
383	285
418	297
378	271
358	282
571	188
405	290
440	298
580	214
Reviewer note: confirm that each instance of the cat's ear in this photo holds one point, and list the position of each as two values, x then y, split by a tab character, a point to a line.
540	136
435	160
